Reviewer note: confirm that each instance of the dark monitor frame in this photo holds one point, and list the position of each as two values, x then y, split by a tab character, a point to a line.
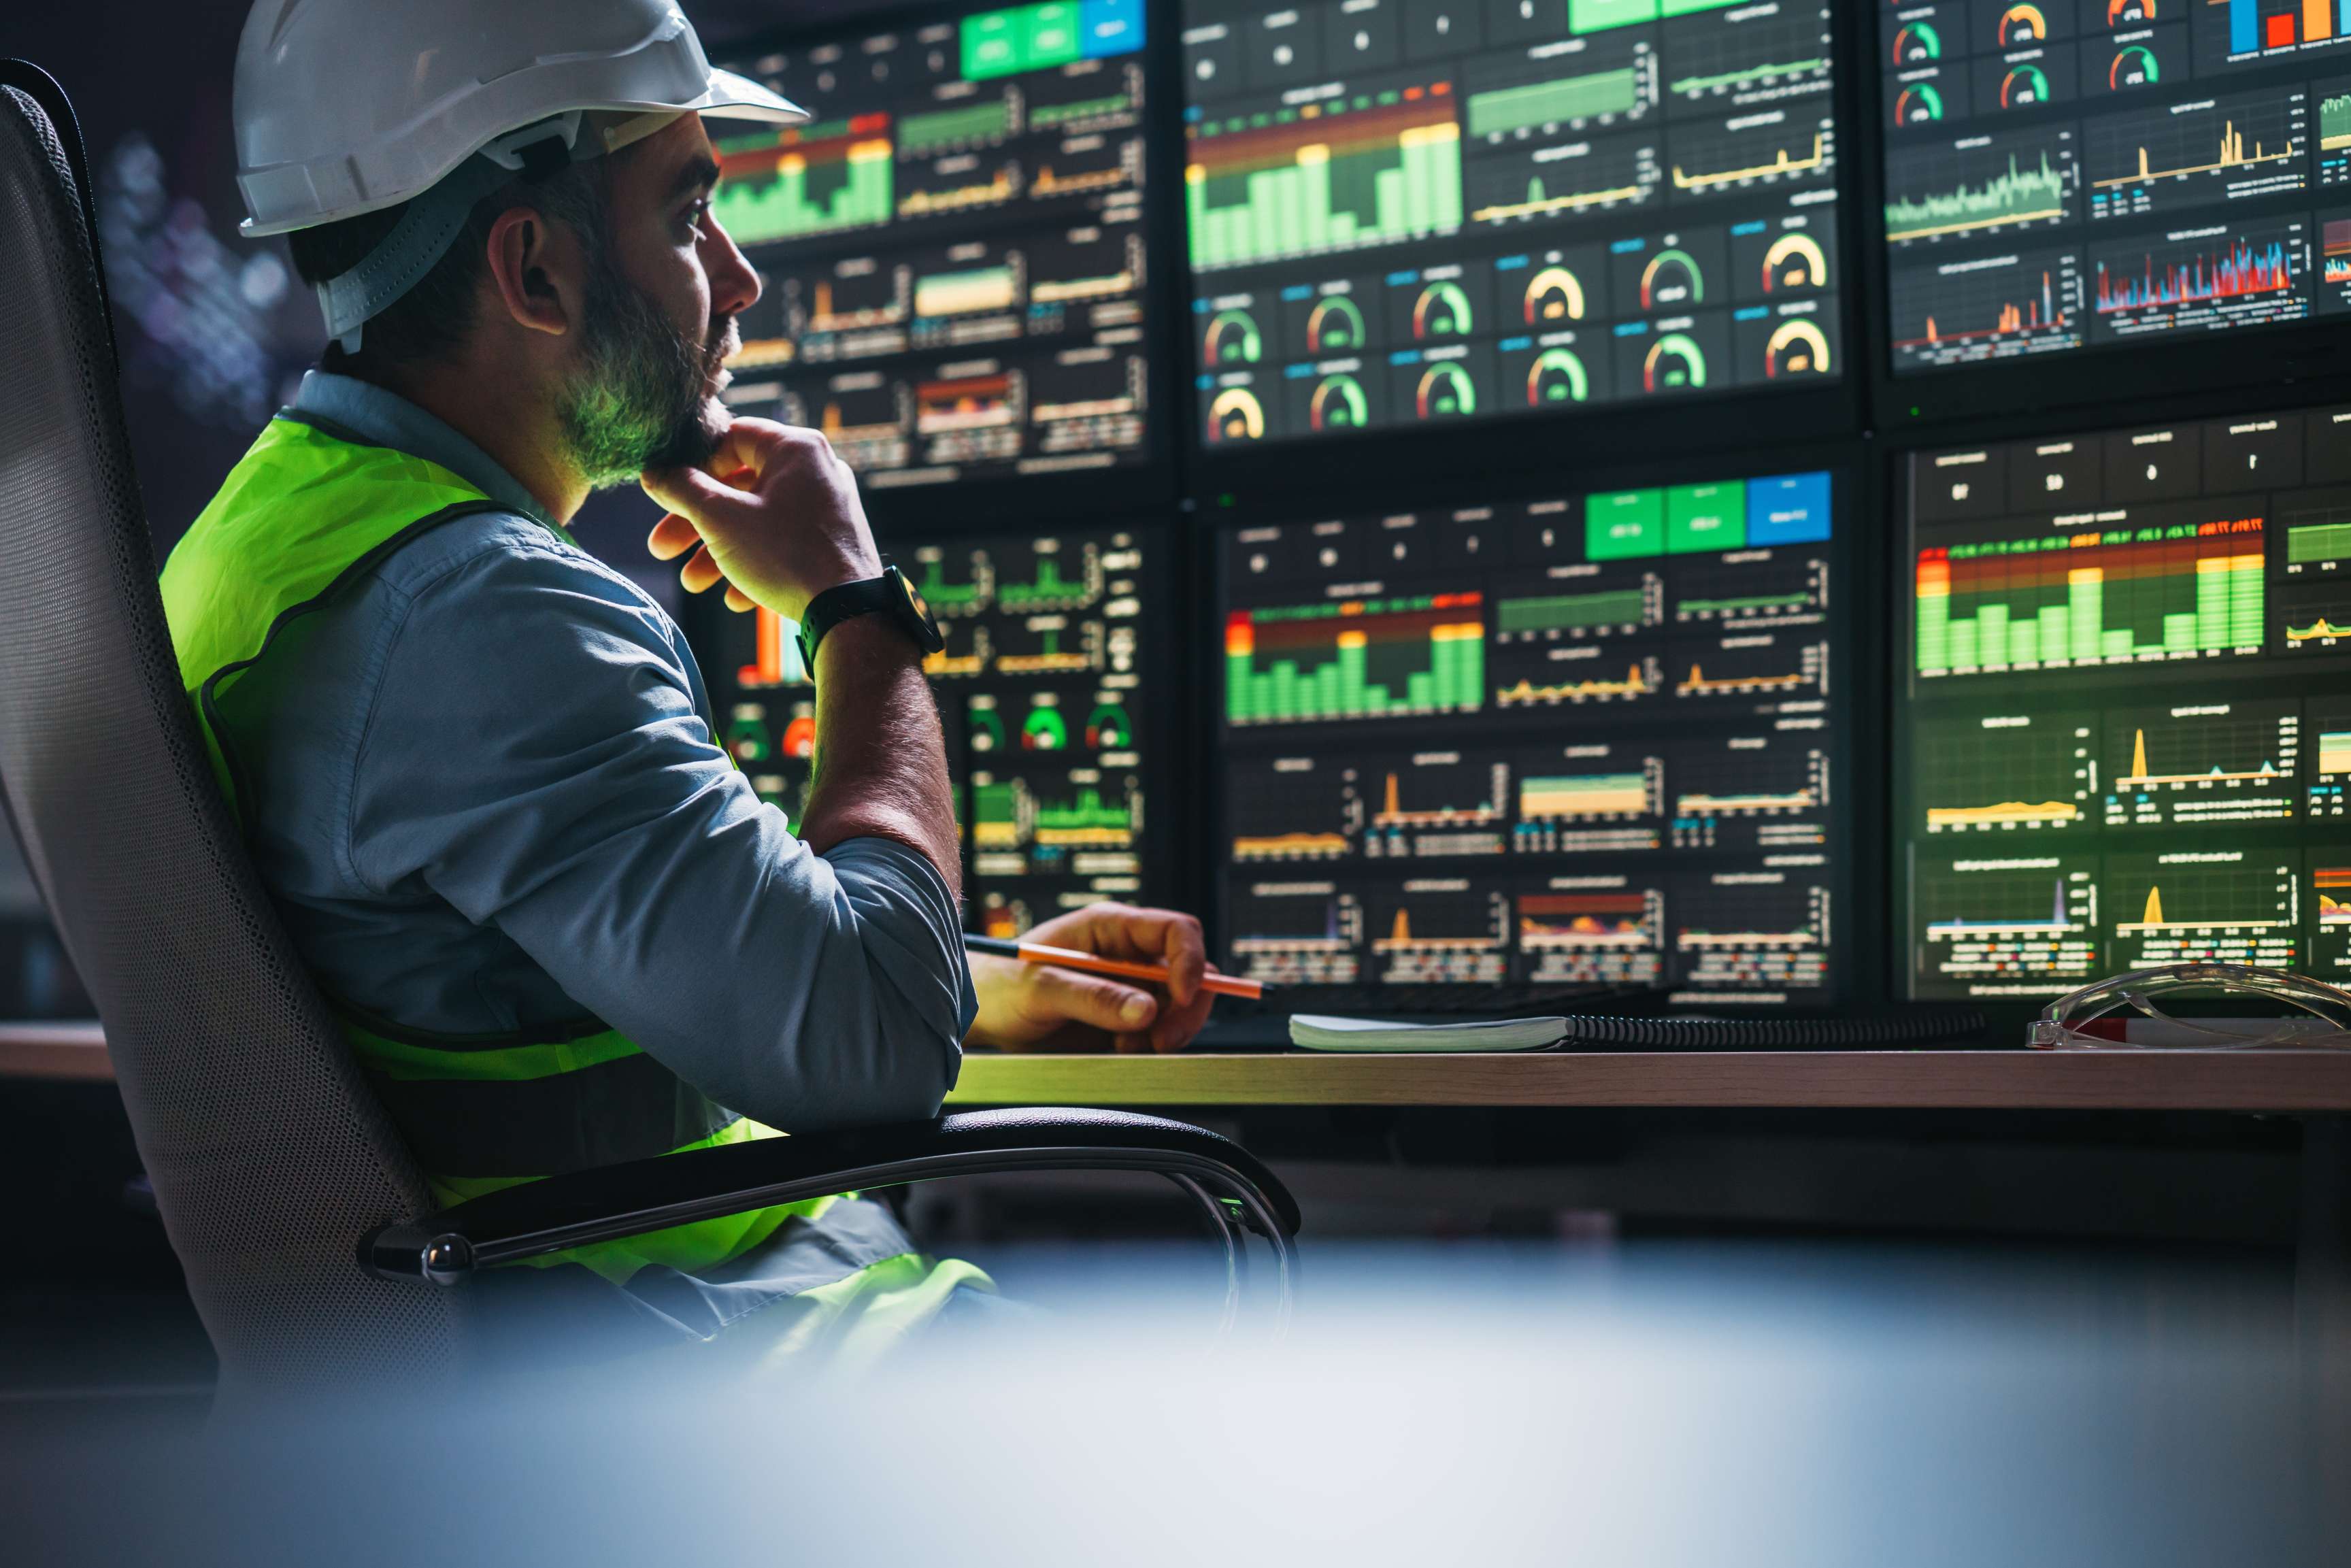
1172	759
1897	798
1520	450
2307	362
986	503
1860	711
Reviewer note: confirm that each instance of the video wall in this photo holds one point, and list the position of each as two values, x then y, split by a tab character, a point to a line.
1644	720
2128	682
1405	212
1578	740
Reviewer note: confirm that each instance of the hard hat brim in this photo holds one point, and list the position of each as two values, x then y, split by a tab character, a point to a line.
729	97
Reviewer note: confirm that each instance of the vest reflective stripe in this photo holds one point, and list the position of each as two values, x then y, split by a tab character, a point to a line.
305	513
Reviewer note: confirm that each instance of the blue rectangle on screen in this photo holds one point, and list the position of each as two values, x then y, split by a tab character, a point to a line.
1108	28
1792	509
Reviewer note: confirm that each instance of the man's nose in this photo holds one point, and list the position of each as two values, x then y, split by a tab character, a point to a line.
734	281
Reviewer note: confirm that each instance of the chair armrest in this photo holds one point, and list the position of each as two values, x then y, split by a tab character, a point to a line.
616	1201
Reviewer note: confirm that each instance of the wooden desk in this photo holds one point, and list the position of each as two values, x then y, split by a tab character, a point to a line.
2276	1080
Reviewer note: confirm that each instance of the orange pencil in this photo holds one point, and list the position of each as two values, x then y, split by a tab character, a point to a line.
1070	958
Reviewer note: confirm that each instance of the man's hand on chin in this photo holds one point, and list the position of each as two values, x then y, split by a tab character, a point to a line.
1036	1007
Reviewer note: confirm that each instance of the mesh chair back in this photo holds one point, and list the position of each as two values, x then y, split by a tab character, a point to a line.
268	1155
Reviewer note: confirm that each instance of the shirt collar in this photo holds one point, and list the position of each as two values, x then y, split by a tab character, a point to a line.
382	418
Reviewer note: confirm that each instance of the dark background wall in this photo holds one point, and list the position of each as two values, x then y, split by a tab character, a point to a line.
214	329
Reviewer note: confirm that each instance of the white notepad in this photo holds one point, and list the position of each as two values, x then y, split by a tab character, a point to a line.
1315	1031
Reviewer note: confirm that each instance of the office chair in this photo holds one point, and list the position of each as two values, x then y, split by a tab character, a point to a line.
307	1235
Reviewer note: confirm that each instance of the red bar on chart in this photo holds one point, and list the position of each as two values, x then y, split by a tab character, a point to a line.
2277	31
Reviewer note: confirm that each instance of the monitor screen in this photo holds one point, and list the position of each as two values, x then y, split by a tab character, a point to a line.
1045	688
953	250
1414	212
1581	739
2078	176
2127	738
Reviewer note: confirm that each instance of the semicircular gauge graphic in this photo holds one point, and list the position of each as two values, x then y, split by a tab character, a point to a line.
800	737
987	729
1232	338
1441	311
2125	13
1044	730
2023	88
1556	377
2020	26
1916	43
2135	65
1446	392
1338	403
1672	277
1675	363
1236	415
1336	326
1919	104
1553	296
1107	729
1797	348
1794	262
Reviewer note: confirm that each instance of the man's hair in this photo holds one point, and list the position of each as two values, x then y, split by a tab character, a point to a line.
432	320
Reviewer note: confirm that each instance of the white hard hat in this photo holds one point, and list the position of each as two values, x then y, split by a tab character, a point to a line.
344	107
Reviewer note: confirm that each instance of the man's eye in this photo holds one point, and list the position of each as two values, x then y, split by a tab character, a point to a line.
696	213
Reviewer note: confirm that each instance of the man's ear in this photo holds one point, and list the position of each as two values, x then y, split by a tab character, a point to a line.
535	265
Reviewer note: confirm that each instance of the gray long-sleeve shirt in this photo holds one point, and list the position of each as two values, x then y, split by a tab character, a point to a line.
490	801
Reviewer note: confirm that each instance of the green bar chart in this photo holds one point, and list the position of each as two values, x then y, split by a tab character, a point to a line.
1362	171
1361	659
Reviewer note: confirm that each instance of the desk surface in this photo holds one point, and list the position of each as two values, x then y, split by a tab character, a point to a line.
1973	1079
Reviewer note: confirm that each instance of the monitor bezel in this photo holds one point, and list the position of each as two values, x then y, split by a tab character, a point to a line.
2304	361
1856	551
984	503
1523	447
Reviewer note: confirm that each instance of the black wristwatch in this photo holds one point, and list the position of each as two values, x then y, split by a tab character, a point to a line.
890	594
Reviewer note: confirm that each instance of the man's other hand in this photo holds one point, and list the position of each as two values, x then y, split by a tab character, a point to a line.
1031	1006
780	526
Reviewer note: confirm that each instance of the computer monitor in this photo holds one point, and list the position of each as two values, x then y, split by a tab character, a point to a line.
1413	212
1591	738
2067	181
2125	714
955	251
1053	691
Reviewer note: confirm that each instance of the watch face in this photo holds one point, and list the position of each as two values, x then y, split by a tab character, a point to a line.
914	597
927	625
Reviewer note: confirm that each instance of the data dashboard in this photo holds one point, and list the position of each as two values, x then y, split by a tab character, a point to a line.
1045	689
953	253
1404	213
1582	739
2067	176
2127	666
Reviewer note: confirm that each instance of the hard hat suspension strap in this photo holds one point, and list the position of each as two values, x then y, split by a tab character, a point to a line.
350	299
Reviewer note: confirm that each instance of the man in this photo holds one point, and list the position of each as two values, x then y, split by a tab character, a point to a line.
475	766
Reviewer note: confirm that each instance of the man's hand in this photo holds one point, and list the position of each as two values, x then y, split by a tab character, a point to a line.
1026	1006
784	525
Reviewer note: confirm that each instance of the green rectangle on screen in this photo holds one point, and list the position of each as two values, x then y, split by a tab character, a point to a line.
1705	517
1622	524
995	44
1052	34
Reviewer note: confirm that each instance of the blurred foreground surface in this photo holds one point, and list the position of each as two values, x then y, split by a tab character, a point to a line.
1659	1403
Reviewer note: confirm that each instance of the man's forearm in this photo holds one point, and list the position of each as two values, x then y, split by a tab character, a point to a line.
880	763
